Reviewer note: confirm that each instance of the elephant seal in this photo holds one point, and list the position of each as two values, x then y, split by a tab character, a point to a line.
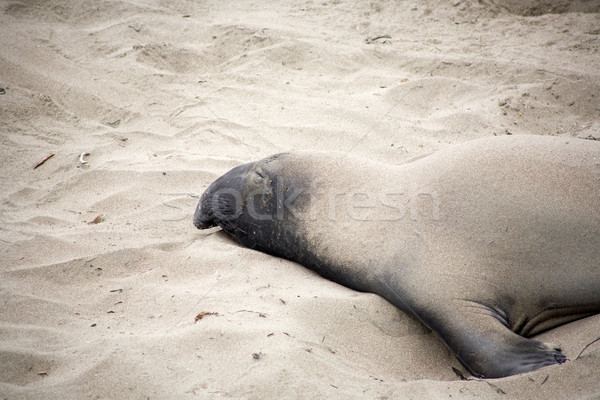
487	243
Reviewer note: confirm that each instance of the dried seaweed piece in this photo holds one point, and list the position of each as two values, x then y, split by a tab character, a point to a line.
97	220
204	314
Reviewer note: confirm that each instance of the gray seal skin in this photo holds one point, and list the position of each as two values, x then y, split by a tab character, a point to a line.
487	243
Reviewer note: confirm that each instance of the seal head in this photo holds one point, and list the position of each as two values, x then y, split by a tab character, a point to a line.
254	203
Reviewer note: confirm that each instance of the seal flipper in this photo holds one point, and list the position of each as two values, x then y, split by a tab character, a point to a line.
486	346
479	335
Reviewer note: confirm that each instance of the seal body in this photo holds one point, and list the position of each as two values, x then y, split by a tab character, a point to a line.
487	243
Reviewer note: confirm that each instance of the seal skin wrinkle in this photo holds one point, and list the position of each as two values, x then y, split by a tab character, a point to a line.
487	243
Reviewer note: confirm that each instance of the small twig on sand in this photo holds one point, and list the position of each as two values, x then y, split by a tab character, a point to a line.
44	160
586	346
370	40
260	314
463	378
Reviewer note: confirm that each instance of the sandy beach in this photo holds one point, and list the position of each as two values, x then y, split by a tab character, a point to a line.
107	289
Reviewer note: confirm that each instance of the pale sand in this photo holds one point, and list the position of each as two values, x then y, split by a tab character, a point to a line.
167	96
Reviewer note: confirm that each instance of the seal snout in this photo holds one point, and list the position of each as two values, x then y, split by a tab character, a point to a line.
222	201
203	216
